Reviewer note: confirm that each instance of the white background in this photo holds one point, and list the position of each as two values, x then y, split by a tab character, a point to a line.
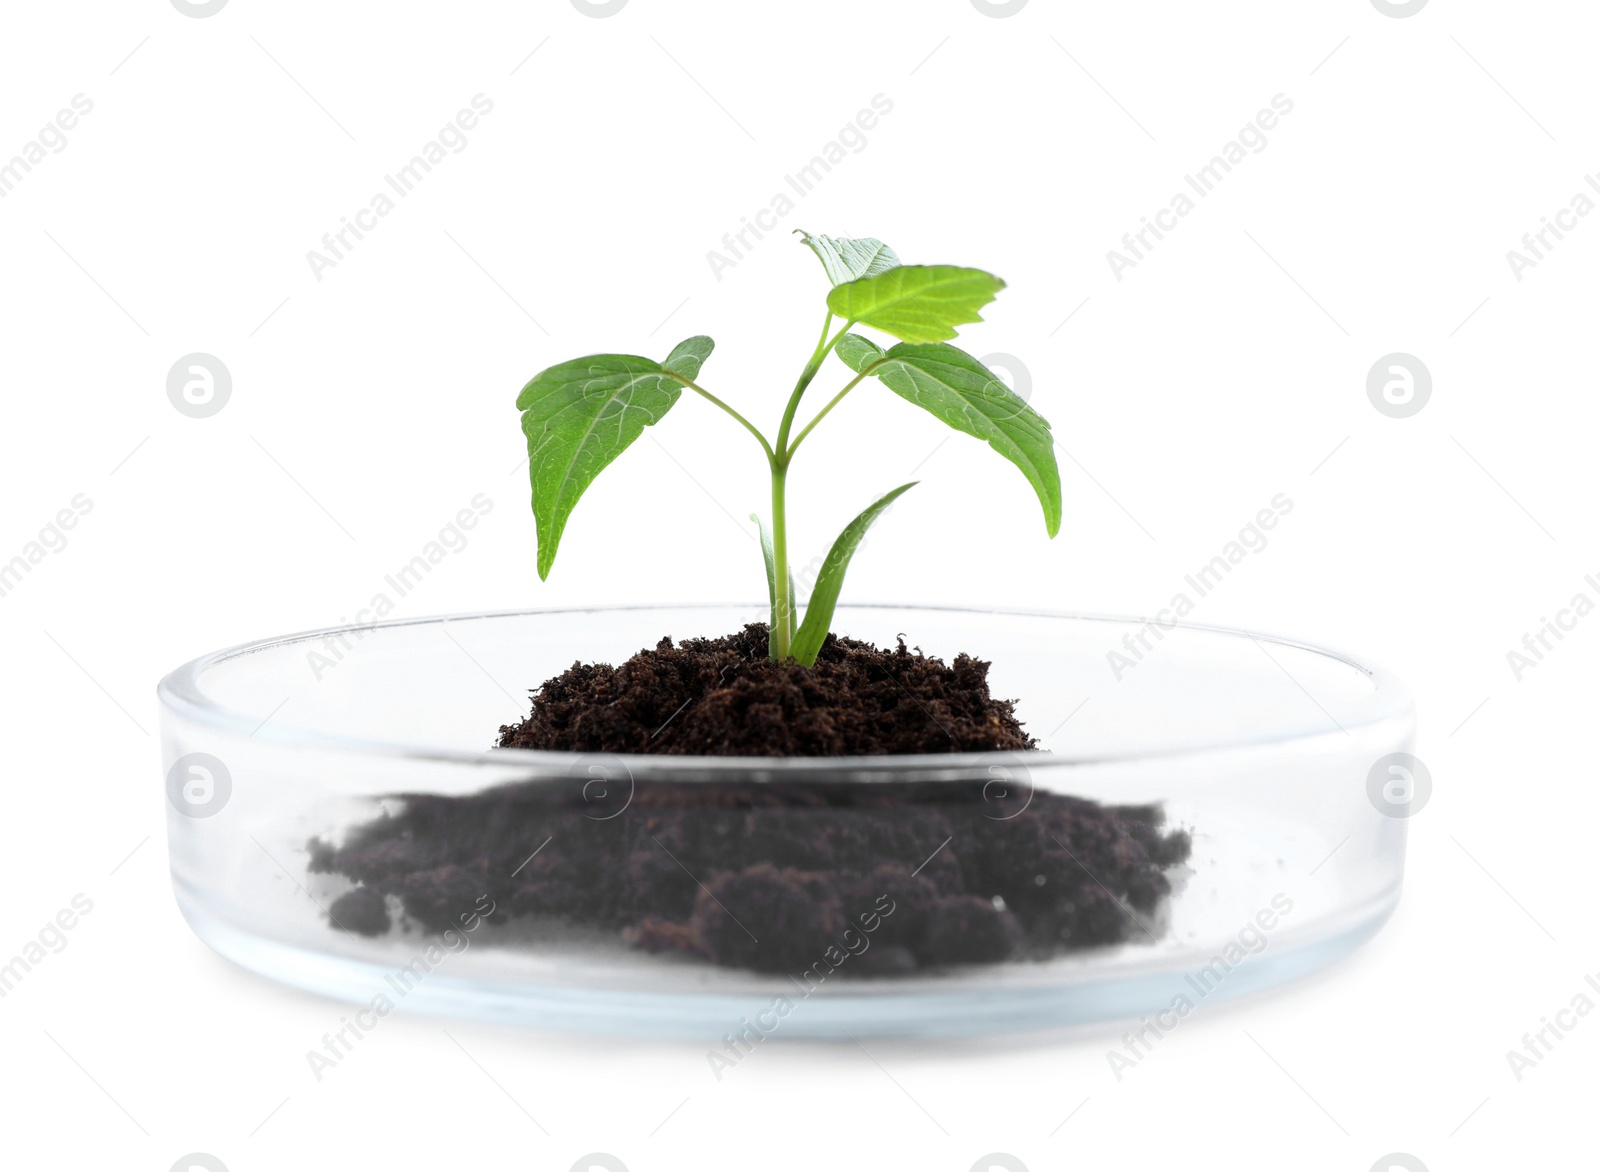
372	404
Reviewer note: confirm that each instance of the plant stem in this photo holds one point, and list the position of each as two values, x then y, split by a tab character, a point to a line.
778	454
783	603
824	344
783	608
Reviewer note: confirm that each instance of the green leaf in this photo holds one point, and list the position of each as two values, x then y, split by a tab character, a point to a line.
689	355
916	303
813	631
845	259
857	352
580	415
959	390
772	586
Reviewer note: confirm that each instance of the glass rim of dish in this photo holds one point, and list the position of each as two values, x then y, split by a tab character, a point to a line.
181	692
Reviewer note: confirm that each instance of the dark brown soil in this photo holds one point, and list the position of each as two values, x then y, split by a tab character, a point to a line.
725	698
770	875
777	876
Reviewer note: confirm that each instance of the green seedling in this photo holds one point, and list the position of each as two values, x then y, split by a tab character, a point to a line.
580	415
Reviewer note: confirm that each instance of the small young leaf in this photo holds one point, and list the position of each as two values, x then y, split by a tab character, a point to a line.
857	352
916	303
844	259
809	638
580	415
767	555
958	389
689	355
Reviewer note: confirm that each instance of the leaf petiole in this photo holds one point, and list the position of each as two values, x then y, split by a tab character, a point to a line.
831	404
710	398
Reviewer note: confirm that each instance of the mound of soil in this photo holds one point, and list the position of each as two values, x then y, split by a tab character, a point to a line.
769	876
725	698
776	876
